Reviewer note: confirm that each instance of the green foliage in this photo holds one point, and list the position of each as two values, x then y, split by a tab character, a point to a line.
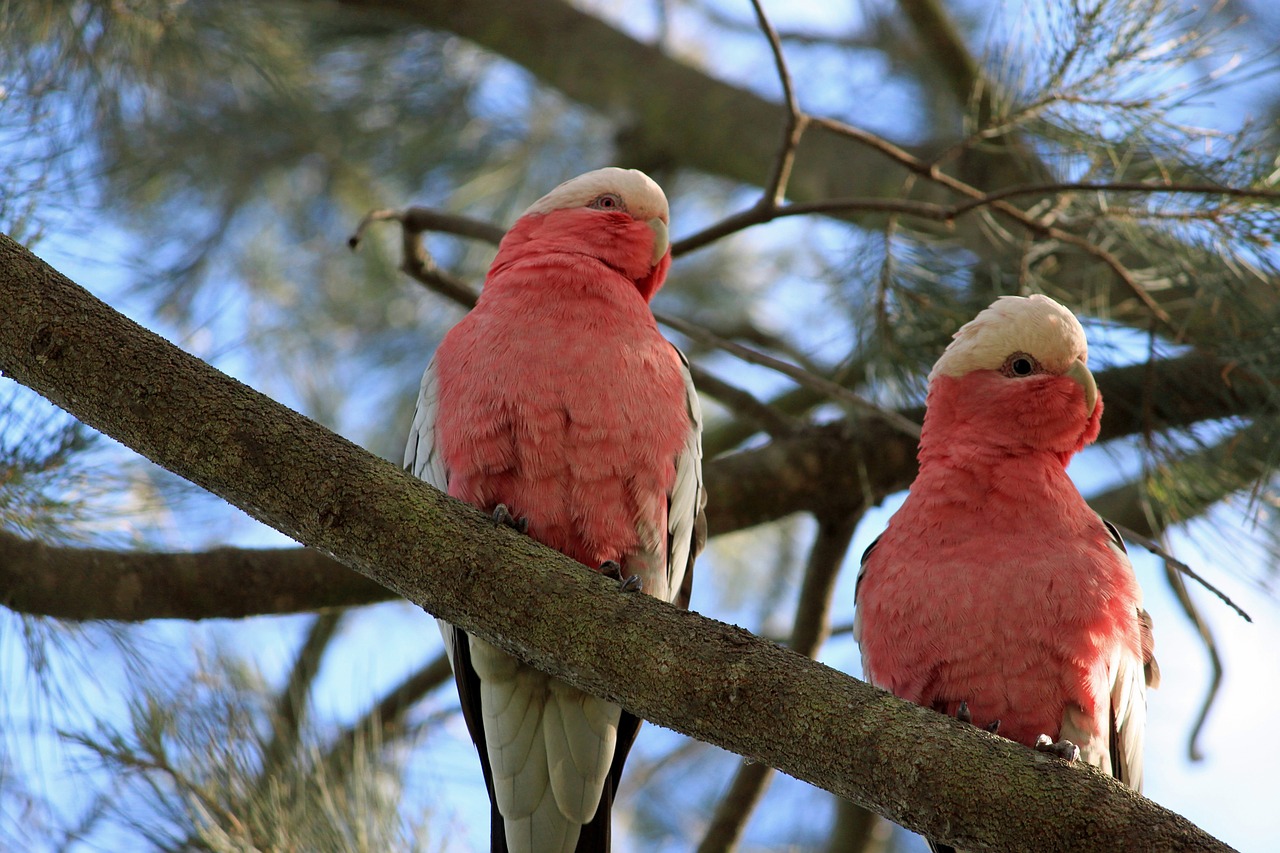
195	756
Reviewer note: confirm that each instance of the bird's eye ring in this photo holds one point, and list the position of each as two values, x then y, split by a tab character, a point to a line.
607	201
1020	364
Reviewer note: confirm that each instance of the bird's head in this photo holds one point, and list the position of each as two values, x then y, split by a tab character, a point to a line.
1016	377
616	216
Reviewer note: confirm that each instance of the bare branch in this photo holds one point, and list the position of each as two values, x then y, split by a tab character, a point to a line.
422	219
1193	614
1172	563
775	189
416	261
825	386
128	586
743	403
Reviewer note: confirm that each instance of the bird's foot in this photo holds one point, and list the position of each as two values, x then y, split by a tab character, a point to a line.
1064	749
502	515
613	569
964	715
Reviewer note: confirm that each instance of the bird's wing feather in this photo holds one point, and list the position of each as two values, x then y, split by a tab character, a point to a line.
420	456
857	612
686	505
581	732
1120	750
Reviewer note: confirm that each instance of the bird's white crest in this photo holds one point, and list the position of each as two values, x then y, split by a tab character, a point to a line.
1035	325
641	195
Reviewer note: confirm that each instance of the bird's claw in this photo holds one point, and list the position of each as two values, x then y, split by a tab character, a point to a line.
1064	749
613	569
503	516
964	715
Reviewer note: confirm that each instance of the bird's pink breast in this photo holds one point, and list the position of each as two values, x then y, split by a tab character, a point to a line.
567	407
995	585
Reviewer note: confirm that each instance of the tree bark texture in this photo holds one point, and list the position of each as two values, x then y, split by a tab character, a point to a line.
706	679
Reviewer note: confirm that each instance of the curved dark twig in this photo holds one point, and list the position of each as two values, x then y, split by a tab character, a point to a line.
1179	587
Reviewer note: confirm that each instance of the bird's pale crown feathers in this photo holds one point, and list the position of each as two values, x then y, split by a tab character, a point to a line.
1035	325
642	197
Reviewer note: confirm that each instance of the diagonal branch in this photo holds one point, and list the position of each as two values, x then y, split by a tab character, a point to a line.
706	679
808	632
810	470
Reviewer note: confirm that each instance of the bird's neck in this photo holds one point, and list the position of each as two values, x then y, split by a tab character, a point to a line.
564	293
984	450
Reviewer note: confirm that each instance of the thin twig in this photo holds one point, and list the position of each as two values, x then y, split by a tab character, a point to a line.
935	174
776	188
760	214
803	377
743	403
421	219
1156	548
1114	187
1179	587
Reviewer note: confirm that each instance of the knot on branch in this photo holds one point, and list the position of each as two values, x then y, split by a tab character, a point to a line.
49	343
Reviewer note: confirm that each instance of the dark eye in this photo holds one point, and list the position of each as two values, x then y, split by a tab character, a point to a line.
607	201
1020	364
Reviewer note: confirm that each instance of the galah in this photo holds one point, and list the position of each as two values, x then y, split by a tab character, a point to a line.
556	404
995	593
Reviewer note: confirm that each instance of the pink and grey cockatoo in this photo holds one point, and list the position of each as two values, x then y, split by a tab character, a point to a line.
996	594
556	402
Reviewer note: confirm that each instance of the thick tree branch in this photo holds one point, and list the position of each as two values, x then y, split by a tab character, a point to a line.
711	681
129	586
594	64
809	630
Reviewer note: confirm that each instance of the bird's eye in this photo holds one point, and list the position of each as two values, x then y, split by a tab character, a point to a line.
1020	364
607	201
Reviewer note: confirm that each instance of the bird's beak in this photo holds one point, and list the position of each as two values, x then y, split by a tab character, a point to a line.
1080	374
661	240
